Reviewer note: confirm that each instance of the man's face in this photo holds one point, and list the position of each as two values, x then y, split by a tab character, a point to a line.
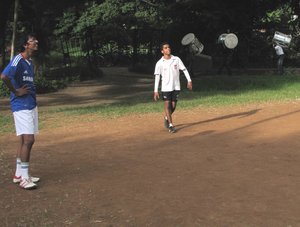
166	50
32	44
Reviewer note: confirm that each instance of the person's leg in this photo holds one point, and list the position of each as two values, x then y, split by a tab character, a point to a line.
171	109
26	182
28	141
18	160
173	106
167	110
23	159
26	126
173	103
281	64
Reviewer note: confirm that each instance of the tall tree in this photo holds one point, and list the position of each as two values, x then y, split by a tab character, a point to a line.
5	8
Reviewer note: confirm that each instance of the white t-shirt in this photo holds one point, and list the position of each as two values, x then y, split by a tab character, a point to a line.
168	69
279	50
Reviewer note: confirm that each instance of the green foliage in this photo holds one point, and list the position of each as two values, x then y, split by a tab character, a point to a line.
3	89
280	15
66	22
88	19
121	14
119	22
45	86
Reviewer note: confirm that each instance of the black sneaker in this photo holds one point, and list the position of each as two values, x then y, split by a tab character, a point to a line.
166	123
172	129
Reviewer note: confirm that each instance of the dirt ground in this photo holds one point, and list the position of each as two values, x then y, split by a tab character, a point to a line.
236	166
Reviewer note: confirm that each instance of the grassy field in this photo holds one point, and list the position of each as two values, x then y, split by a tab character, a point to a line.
209	91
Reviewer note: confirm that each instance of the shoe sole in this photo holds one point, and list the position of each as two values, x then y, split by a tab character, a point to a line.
17	181
30	188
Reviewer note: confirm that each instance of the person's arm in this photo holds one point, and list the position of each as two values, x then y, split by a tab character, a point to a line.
157	73
156	84
186	74
18	92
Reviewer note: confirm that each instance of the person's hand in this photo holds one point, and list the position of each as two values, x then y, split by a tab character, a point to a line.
22	90
156	96
190	85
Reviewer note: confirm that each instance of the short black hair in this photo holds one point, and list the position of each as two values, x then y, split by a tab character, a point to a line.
162	45
24	40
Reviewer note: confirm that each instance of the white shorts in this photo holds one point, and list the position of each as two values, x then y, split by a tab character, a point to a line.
26	122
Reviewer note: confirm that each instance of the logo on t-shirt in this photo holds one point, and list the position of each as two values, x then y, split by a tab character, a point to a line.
175	66
28	78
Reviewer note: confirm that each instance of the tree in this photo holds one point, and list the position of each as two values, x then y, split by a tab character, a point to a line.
5	6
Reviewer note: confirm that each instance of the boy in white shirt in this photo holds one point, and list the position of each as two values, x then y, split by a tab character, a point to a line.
167	69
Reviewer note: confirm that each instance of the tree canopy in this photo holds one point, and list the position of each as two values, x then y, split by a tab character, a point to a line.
148	22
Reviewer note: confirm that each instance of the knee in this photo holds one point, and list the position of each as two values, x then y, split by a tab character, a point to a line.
29	141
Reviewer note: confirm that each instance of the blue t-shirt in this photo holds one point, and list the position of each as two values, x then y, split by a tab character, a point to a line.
20	72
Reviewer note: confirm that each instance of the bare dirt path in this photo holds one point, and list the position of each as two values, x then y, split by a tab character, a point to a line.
236	166
116	86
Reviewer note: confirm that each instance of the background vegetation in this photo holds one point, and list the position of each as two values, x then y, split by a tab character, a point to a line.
77	37
119	31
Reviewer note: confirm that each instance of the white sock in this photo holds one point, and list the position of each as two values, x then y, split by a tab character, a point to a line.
18	167
24	170
170	125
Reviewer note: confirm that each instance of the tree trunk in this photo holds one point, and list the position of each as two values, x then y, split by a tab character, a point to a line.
14	29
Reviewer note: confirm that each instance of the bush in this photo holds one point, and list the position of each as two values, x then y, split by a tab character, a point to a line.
3	89
44	86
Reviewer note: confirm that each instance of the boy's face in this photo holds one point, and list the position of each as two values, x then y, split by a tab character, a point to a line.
166	50
32	43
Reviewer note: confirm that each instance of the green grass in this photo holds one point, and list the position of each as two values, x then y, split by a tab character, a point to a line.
210	91
6	123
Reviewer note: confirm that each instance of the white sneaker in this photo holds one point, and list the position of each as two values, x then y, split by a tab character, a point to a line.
18	179
27	184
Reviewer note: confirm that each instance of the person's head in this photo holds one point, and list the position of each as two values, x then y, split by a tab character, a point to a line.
165	48
28	42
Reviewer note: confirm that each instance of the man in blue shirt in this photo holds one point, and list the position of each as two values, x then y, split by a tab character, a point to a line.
18	76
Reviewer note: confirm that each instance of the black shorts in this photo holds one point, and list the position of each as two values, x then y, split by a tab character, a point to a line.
170	95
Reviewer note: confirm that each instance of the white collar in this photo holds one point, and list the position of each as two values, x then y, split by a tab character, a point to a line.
172	57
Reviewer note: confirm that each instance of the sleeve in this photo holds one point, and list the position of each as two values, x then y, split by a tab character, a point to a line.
157	73
10	71
186	73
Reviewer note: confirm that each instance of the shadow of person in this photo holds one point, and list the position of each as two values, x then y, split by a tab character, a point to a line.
239	115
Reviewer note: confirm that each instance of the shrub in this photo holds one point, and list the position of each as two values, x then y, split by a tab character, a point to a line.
3	89
44	86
